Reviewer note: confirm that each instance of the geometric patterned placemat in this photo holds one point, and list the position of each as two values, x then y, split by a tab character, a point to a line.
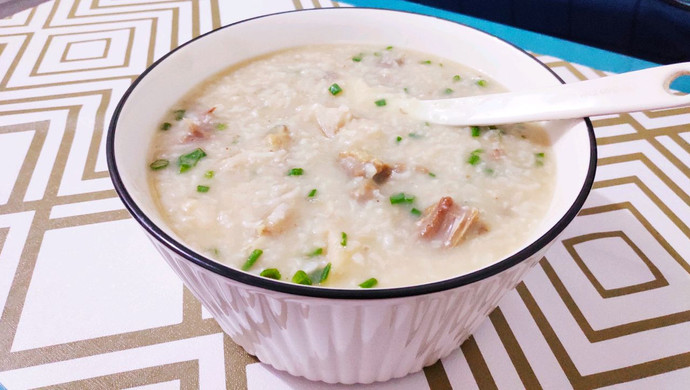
88	303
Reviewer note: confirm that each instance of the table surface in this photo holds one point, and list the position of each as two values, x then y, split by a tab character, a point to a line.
88	303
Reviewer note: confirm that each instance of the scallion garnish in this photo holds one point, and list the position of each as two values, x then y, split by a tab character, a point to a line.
343	239
159	164
380	102
189	160
474	158
296	172
406	90
389	48
221	126
179	114
539	158
335	89
427	62
481	83
312	193
272	273
414	135
447	91
398	139
476	131
253	257
369	283
202	188
209	174
166	125
377	54
316	252
432	174
324	273
415	212
456	77
301	277
401	198
357	58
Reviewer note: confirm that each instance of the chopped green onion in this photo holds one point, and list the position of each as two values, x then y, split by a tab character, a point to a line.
380	102
272	273
324	273
301	277
221	126
357	58
312	193
415	212
489	171
369	283
456	77
427	62
474	158
476	131
189	160
481	83
179	114
389	48
316	252
398	139
253	257
166	125
432	174
539	158
427	124
401	198
202	188
447	91
343	239
377	54
159	164
335	89
406	90
209	174
414	135
296	172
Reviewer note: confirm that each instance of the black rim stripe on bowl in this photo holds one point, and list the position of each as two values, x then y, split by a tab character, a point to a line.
327	292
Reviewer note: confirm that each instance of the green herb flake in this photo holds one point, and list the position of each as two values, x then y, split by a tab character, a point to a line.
401	198
324	273
316	252
406	90
166	126
295	172
380	102
271	273
489	171
456	77
343	239
427	62
312	193
474	158
389	48
253	257
481	83
414	135
159	164
301	277
209	174
357	58
398	139
202	188
432	174
179	114
369	283
539	158
189	160
476	131
221	126
415	212
335	89
377	54
448	91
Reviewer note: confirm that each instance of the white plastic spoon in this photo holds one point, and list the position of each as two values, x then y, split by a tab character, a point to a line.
646	89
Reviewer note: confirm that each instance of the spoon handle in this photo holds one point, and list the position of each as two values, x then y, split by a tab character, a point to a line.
646	89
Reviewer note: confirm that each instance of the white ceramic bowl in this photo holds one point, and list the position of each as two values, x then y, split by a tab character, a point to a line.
341	335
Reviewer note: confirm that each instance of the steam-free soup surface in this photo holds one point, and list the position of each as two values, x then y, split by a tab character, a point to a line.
297	166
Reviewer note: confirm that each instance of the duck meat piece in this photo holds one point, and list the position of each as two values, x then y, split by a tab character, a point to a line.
331	120
447	222
279	138
360	164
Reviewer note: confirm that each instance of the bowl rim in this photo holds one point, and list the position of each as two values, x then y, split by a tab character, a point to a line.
327	292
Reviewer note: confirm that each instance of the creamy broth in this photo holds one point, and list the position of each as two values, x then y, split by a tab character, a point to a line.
299	157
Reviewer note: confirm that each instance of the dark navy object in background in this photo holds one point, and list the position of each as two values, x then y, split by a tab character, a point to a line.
654	30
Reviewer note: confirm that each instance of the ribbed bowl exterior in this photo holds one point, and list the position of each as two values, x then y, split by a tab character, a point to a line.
342	340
